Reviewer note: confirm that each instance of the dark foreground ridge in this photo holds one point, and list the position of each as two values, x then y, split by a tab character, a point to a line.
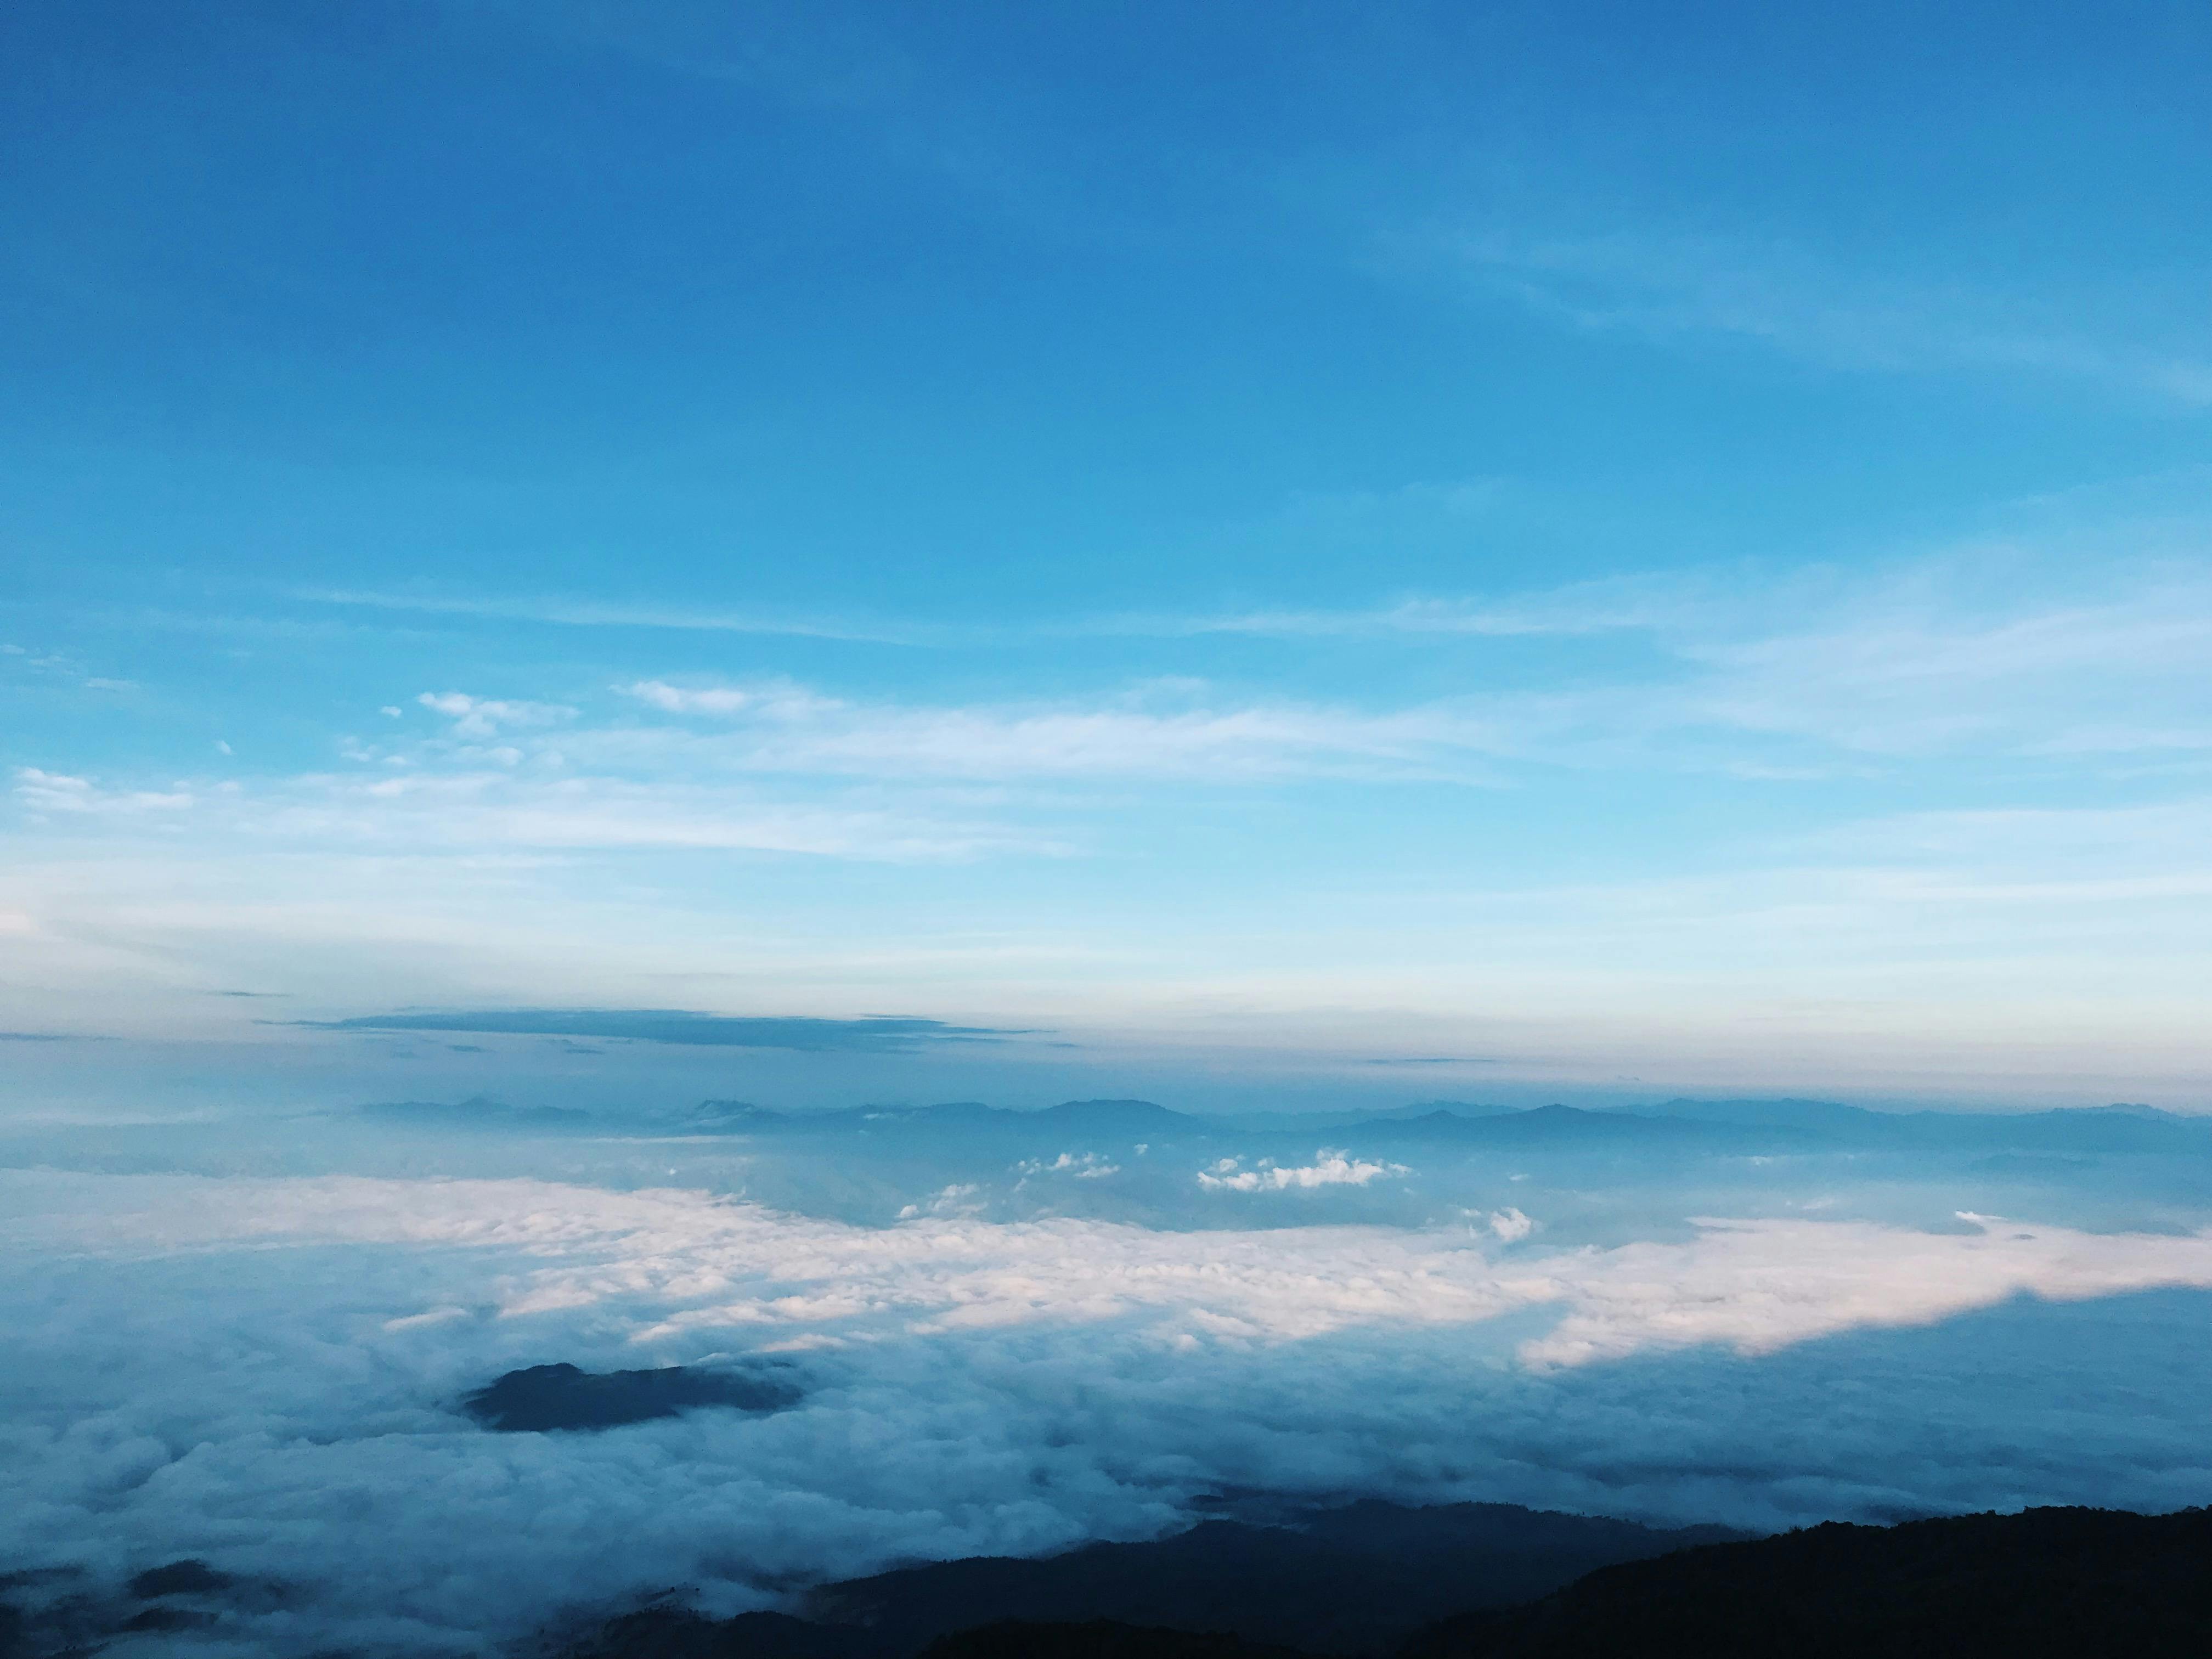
547	1397
2052	1582
1350	1579
1098	1638
2042	1584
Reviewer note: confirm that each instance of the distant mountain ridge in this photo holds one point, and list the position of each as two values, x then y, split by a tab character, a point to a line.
479	1113
2117	1128
1682	1126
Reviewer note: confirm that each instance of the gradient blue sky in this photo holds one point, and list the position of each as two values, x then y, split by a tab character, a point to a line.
1588	547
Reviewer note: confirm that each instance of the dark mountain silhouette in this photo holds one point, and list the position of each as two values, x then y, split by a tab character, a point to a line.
1343	1580
1099	1639
2121	1129
1364	1579
549	1397
1116	1117
2053	1583
666	1631
663	1632
1355	1578
1569	1127
2038	1584
1458	1107
66	1612
188	1578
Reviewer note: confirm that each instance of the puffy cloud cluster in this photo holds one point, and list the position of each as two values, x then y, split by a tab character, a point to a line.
1328	1168
486	717
1084	1166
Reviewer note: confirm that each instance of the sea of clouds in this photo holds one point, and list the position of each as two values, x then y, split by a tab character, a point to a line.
261	1366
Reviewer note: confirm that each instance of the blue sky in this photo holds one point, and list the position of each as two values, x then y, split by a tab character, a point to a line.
1581	547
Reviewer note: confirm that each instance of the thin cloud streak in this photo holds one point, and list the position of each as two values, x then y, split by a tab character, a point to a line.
1142	735
874	1034
591	613
1670	286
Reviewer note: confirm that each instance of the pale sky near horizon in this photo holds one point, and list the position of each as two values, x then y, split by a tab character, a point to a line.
1441	550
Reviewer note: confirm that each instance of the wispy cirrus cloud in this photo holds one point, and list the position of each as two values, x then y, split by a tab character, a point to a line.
1817	678
558	611
1594	607
2012	697
1802	672
1680	287
1619	605
59	667
43	792
1173	731
446	804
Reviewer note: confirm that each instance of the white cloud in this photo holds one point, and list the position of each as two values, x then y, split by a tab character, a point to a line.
485	717
1158	732
1511	1225
500	801
570	612
1759	1286
1618	604
675	699
959	1199
1982	677
675	1260
1084	1166
1970	656
1328	1168
261	1372
56	791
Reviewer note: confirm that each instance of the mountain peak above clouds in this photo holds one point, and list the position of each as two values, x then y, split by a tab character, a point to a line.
1135	1117
542	1398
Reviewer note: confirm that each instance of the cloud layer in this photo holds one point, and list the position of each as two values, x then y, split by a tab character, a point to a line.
264	1373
